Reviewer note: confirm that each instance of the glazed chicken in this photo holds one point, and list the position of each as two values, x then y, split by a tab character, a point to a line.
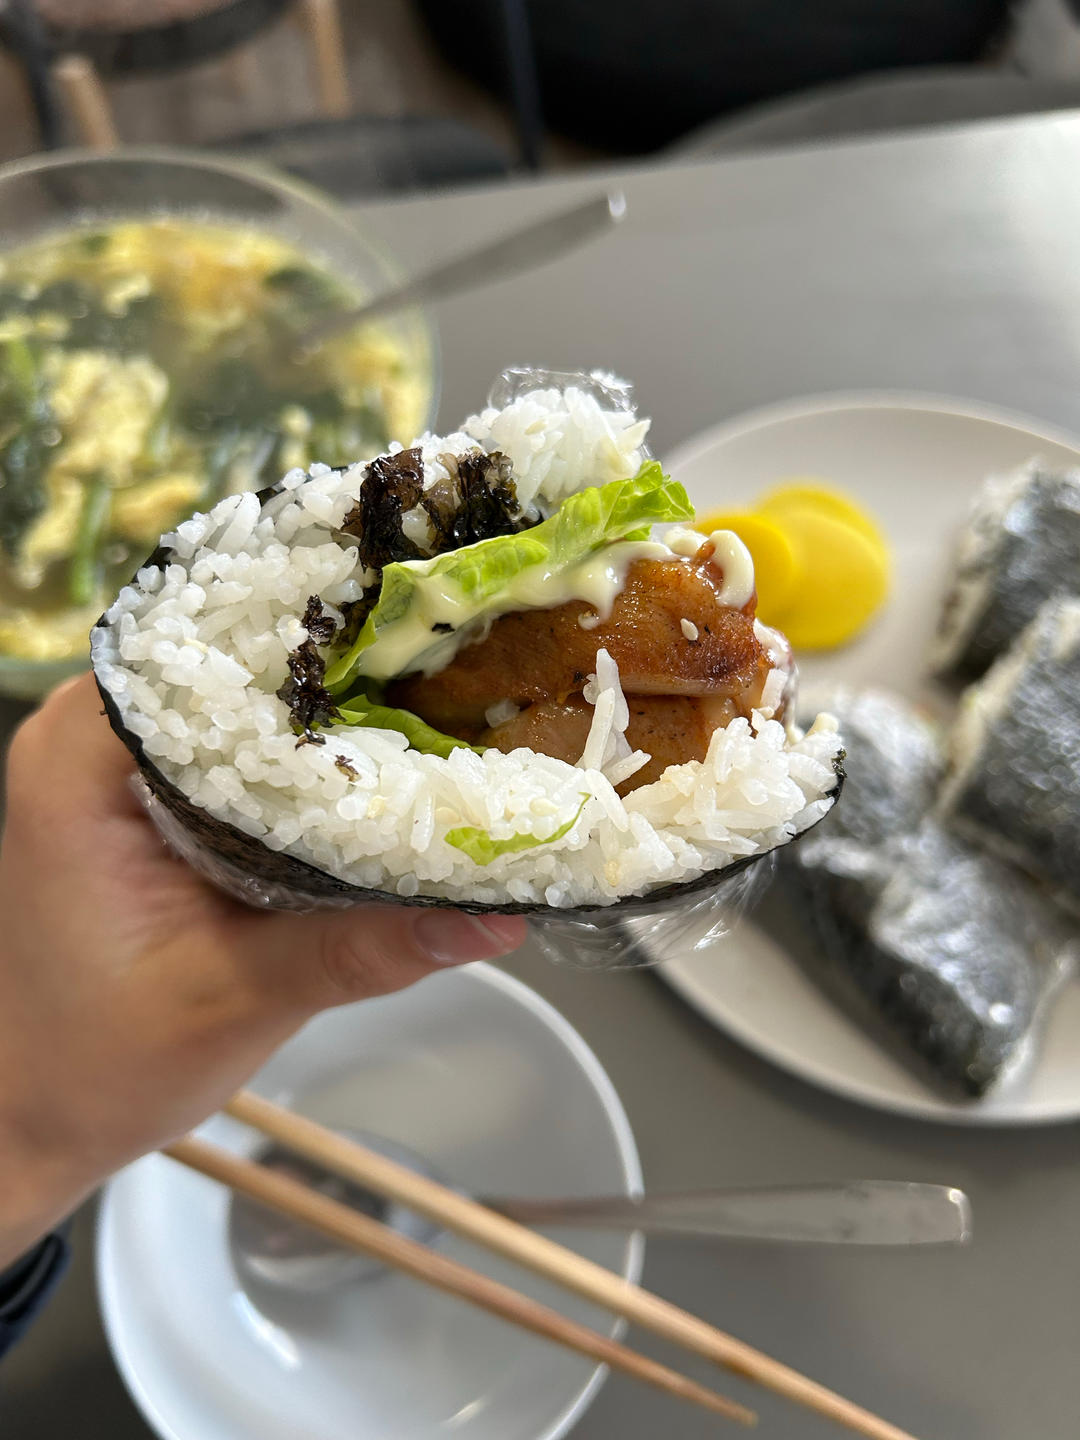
687	665
670	728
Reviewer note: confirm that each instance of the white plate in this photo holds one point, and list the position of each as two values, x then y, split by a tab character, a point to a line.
915	461
472	1070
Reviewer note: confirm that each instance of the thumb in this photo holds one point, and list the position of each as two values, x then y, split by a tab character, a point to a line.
306	963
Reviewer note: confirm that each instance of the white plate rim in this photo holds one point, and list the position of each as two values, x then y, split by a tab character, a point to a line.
686	983
803	407
629	1159
930	1108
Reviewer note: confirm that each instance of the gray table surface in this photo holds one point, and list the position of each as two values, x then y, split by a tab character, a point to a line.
943	261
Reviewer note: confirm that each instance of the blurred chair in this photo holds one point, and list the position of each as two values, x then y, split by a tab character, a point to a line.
70	48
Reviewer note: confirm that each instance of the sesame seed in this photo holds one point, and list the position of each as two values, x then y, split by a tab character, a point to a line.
689	629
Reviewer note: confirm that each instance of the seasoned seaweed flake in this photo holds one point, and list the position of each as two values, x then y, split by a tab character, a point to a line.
393	485
309	703
477	500
321	626
354	613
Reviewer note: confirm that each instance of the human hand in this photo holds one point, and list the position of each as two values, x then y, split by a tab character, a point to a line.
134	998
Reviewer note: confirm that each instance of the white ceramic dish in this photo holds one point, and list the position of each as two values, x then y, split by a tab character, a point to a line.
915	461
470	1069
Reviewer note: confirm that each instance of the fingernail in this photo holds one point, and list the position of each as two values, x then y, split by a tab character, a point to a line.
508	931
451	938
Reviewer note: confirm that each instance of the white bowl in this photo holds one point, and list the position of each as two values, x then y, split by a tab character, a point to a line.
473	1071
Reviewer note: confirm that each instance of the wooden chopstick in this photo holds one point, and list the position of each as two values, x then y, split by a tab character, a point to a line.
360	1232
536	1252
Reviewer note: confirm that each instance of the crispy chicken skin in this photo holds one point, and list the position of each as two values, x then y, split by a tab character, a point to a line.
535	656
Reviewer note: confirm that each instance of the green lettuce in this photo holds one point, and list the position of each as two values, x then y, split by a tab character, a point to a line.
479	574
361	711
482	849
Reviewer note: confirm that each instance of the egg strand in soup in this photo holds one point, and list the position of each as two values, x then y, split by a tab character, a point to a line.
146	369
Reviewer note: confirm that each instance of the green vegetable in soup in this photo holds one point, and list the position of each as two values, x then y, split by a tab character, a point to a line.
26	428
84	573
94	243
310	289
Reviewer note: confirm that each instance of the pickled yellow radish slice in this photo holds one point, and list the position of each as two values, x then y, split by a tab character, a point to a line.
843	577
775	571
808	493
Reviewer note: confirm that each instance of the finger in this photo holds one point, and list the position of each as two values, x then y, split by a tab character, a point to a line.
310	962
65	757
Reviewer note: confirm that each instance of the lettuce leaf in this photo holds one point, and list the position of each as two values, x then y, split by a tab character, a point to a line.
470	582
361	711
478	845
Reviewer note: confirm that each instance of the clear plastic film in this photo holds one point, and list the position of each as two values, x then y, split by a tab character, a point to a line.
517	380
633	934
629	934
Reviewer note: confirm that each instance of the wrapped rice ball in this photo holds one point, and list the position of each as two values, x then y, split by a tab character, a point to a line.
1015	786
1021	547
472	671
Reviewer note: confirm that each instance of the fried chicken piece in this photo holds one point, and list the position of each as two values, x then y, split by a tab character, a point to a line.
668	633
670	728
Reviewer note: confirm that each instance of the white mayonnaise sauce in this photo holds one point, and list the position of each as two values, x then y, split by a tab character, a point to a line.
681	541
735	560
775	645
412	643
730	556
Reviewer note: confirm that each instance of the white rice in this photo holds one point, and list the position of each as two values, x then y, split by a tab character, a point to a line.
554	437
192	656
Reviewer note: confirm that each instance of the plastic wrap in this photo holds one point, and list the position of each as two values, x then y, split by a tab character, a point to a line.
517	380
629	934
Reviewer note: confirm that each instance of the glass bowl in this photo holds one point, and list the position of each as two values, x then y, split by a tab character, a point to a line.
69	189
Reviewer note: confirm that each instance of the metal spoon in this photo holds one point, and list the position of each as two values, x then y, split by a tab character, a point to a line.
271	1249
540	241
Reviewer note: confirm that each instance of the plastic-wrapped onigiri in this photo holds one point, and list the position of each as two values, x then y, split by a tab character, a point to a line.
1020	548
1015	784
943	951
492	668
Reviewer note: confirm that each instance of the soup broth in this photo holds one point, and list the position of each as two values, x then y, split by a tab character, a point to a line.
148	368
